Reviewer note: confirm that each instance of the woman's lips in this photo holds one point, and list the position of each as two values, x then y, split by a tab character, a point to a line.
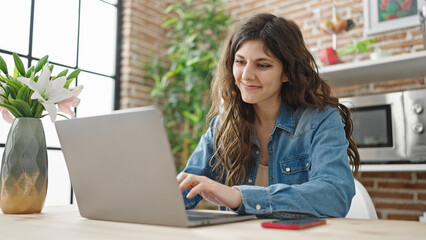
248	86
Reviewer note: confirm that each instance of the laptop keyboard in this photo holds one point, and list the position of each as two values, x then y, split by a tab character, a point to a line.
197	215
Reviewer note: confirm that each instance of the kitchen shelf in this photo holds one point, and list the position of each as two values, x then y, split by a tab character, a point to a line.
392	167
369	71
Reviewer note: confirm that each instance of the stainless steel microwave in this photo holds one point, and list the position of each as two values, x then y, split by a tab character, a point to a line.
390	127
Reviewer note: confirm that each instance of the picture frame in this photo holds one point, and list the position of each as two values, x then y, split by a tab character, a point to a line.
377	20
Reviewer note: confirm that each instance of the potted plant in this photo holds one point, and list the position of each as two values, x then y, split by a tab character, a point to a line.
182	85
363	46
24	97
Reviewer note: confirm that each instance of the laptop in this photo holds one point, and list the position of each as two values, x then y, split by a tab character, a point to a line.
121	169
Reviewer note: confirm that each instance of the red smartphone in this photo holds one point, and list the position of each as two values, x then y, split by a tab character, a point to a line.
294	224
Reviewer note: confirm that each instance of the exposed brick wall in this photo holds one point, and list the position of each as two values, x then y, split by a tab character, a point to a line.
395	195
143	36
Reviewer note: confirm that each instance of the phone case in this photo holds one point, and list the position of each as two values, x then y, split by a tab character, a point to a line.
293	224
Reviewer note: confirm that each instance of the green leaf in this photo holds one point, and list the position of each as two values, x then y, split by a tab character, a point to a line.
74	74
23	93
3	79
26	94
15	73
3	66
33	104
63	73
12	83
168	9
38	110
18	111
30	71
22	106
192	61
18	64
11	109
191	117
170	22
20	93
71	78
51	68
41	63
68	83
12	91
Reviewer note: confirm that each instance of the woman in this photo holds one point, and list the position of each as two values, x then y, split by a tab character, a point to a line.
278	143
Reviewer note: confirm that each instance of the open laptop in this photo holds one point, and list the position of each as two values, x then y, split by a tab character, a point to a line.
121	169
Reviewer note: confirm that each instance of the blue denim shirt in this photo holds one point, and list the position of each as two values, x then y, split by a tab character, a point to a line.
308	167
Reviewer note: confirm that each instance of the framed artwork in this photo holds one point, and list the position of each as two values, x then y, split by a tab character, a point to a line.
387	15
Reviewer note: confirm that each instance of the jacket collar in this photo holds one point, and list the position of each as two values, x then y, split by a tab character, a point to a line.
285	119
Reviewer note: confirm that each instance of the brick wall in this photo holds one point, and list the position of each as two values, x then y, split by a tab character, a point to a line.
396	195
143	37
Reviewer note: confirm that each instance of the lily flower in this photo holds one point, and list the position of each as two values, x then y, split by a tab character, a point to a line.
6	115
47	91
65	105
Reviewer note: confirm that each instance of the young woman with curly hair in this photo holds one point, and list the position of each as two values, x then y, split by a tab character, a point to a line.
278	144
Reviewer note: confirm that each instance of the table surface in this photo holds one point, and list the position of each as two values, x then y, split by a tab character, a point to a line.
65	222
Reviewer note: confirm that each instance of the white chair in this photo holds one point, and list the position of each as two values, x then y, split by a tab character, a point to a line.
362	207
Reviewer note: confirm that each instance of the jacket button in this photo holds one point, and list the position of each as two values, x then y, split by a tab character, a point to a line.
250	181
288	169
271	148
272	177
258	207
257	152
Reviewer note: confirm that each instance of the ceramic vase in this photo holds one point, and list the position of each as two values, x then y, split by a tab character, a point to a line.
23	183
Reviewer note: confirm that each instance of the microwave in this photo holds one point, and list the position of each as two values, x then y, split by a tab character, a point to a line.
389	127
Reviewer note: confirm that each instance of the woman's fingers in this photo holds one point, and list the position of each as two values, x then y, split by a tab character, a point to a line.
189	181
181	176
199	185
210	190
196	184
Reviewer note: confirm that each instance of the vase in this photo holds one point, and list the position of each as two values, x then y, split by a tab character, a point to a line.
23	182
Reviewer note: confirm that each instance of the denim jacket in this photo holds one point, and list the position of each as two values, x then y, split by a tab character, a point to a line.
308	167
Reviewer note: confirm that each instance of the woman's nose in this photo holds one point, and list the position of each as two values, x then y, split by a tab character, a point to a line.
248	72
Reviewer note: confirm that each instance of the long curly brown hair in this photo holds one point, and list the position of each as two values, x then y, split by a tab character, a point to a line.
305	87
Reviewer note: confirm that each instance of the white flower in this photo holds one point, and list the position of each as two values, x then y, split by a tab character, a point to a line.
48	92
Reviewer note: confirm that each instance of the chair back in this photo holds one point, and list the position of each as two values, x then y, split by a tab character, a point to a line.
362	207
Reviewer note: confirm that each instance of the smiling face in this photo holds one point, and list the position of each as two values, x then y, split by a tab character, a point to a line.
259	76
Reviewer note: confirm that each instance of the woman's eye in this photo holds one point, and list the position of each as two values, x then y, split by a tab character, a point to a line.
239	61
264	65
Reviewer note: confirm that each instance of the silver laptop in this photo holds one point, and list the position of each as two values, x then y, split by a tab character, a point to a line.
121	169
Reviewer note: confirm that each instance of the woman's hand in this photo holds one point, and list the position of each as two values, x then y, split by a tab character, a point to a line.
210	190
